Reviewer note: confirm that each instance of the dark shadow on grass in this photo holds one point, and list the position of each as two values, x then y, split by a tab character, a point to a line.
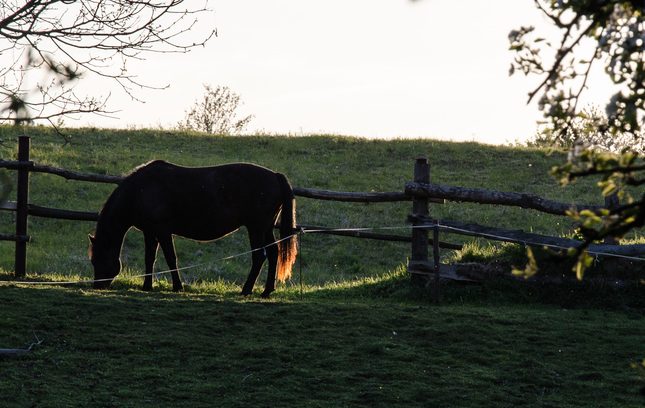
399	287
501	291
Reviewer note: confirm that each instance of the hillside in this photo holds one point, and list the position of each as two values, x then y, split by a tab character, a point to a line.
329	162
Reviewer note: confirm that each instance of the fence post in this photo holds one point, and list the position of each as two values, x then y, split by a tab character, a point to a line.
420	206
419	260
437	272
419	266
22	202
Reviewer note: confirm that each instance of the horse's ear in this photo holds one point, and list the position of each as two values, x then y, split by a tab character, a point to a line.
91	238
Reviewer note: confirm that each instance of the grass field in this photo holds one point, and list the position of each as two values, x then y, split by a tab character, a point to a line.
350	329
126	348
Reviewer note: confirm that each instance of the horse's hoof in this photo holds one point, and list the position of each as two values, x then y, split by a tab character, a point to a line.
147	288
265	294
245	293
178	289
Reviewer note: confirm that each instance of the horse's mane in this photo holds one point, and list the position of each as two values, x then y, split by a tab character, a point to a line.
152	163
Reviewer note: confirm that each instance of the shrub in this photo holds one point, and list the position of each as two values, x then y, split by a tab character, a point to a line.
215	113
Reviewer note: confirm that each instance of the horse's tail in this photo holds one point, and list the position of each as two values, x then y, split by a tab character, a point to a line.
288	245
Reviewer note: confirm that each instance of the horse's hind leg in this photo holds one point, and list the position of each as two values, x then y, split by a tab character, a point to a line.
258	257
272	255
151	246
168	248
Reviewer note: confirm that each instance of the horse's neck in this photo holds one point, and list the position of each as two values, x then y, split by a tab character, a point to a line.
111	230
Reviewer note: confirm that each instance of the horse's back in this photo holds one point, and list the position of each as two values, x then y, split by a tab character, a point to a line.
203	202
235	177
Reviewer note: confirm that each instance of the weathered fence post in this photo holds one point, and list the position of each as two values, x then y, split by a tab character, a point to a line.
22	203
420	207
419	266
437	271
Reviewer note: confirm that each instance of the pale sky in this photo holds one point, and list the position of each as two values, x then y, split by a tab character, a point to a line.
375	69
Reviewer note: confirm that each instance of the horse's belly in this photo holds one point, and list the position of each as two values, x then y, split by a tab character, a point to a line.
204	234
204	228
198	228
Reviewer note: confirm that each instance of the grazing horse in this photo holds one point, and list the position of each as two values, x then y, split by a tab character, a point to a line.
201	203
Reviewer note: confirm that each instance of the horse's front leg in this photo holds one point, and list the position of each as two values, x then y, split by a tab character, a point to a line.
168	248
151	246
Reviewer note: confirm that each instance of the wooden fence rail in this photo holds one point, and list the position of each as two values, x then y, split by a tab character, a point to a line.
476	195
523	238
67	174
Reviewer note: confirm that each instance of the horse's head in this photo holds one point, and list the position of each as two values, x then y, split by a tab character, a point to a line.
106	263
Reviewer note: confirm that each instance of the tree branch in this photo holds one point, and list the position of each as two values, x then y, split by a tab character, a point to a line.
14	352
561	54
68	38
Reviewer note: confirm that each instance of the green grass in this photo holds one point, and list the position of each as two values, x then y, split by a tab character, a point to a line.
127	348
349	329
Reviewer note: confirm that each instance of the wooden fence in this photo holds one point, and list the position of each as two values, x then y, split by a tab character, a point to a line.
420	191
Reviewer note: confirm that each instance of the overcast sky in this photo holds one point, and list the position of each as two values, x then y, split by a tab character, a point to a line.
386	69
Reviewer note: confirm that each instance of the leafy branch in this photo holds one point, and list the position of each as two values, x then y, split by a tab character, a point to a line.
616	29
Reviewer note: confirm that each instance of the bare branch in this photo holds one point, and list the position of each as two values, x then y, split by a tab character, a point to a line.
61	40
563	52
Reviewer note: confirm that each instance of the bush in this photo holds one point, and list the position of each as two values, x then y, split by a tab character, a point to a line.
588	130
216	113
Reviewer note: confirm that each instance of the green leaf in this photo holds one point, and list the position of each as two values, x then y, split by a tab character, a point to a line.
587	213
610	189
531	267
584	262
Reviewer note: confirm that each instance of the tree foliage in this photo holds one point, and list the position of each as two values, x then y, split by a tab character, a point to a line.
216	113
606	32
47	45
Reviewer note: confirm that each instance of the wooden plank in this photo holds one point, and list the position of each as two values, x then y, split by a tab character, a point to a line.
67	174
15	238
369	235
426	270
526	238
46	212
8	206
476	195
437	266
357	197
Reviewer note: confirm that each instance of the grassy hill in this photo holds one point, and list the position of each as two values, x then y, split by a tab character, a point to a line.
357	332
321	162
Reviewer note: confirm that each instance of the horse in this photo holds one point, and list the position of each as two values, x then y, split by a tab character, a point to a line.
162	200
